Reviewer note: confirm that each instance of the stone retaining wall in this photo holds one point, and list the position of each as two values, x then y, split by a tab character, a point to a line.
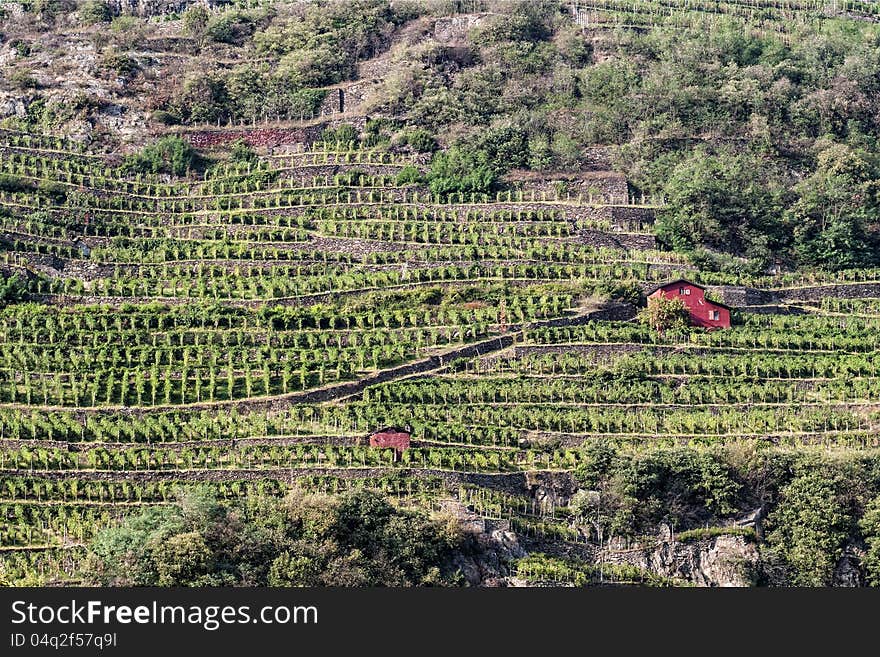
819	292
265	137
625	241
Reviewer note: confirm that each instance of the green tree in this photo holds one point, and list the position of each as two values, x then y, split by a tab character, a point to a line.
461	170
834	208
809	527
870	526
665	314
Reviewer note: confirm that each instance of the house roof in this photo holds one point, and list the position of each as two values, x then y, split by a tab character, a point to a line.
671	283
677	281
389	430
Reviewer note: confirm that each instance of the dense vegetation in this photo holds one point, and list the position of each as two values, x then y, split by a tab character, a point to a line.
357	539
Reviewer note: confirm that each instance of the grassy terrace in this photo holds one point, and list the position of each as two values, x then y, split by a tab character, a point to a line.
168	354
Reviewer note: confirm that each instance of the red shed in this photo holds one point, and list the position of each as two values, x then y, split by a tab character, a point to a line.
397	439
705	313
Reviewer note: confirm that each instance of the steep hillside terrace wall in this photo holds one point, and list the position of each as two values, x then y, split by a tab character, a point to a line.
588	183
265	136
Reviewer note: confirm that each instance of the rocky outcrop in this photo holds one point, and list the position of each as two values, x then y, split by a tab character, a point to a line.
454	29
489	548
145	8
728	561
847	572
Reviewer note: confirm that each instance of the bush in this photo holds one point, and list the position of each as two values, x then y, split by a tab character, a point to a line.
409	175
808	528
195	21
665	314
170	154
232	27
242	153
461	170
10	183
420	140
23	79
53	190
95	11
12	289
343	134
355	539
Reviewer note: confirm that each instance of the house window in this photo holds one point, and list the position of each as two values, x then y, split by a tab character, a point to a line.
714	315
681	291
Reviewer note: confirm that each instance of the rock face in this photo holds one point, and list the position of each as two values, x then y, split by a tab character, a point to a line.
455	28
487	562
727	561
847	572
490	547
156	7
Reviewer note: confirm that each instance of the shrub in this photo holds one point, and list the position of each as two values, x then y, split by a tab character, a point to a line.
808	528
195	21
170	154
23	79
232	27
343	134
409	175
10	183
461	170
12	289
95	11
665	314
420	140
55	191
241	152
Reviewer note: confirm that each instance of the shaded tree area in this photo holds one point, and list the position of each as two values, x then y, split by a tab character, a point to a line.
355	539
814	507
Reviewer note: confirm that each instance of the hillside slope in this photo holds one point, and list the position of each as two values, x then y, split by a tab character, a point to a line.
203	291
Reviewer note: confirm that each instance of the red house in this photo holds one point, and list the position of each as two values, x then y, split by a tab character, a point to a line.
397	439
705	313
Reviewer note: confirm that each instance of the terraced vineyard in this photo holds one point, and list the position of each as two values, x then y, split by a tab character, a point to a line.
250	328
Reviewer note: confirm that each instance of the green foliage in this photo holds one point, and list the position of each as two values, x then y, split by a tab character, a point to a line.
10	183
242	153
13	289
723	201
627	493
344	134
809	527
356	539
195	21
420	140
870	526
23	79
322	43
665	314
461	170
170	154
409	175
165	118
834	208
53	190
95	11
626	291
704	533
120	64
232	27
